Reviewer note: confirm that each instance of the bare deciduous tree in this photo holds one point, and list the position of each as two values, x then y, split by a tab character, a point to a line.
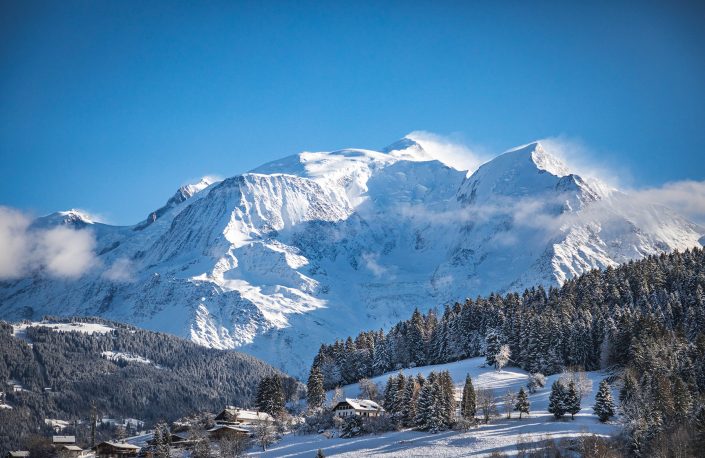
487	404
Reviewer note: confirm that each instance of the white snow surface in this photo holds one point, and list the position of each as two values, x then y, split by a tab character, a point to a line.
127	357
19	330
320	245
500	435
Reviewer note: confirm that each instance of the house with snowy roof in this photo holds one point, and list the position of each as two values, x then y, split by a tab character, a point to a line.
232	415
361	407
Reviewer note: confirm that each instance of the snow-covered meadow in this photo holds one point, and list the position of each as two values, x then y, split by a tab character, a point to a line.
500	435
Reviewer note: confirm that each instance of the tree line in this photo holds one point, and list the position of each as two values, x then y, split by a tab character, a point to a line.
646	318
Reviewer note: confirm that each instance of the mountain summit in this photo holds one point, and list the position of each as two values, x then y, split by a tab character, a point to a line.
320	245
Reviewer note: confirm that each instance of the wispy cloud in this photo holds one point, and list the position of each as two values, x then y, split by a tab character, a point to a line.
685	197
60	251
122	271
449	150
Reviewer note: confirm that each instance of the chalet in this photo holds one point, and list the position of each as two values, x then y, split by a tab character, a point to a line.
227	432
17	454
235	416
361	407
115	450
69	451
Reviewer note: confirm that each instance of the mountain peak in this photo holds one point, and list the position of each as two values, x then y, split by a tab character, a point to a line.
540	158
408	148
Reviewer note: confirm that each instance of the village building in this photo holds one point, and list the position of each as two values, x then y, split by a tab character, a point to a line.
227	432
69	451
361	407
63	440
17	454
115	450
235	416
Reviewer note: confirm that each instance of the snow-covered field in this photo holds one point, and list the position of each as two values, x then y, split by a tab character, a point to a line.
19	330
127	357
500	435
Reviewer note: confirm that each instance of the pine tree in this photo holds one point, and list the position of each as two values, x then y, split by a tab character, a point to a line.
468	404
492	346
390	394
316	393
572	400
556	400
523	404
604	406
319	454
409	400
270	395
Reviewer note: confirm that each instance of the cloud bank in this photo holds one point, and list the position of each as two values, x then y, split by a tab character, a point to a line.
59	252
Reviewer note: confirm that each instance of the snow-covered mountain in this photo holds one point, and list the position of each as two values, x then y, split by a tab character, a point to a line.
320	245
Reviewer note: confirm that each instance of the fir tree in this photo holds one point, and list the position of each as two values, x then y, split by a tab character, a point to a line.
468	404
409	400
556	400
604	406
492	347
572	400
270	395
316	395
523	404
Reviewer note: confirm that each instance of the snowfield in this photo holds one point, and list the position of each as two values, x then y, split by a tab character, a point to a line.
20	330
500	435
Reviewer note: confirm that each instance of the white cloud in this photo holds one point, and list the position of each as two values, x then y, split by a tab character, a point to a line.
14	244
685	197
60	251
585	162
65	252
121	271
450	151
371	261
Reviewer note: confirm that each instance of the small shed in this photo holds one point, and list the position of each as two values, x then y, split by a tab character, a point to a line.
68	440
115	450
71	451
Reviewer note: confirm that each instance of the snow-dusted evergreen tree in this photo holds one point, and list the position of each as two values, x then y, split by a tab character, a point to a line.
604	405
409	401
468	406
572	400
316	394
417	339
557	400
447	401
523	405
492	345
390	394
536	381
270	395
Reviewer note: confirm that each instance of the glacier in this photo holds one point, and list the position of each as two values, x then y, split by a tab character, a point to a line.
320	245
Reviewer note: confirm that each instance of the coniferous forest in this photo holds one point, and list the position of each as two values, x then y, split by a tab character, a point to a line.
64	375
644	319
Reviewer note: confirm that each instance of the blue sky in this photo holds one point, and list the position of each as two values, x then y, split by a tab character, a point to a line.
109	106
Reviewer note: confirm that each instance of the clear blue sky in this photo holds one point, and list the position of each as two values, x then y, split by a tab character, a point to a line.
109	106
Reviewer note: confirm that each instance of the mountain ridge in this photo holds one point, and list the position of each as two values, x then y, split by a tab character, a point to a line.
318	244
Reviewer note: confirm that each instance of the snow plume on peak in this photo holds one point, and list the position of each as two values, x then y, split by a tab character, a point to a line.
60	251
426	146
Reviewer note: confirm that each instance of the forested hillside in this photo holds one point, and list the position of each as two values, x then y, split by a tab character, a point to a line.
646	318
126	372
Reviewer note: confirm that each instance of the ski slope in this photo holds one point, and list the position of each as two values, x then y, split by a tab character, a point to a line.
501	435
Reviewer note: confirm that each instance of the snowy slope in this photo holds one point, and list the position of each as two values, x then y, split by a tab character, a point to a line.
320	245
500	435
